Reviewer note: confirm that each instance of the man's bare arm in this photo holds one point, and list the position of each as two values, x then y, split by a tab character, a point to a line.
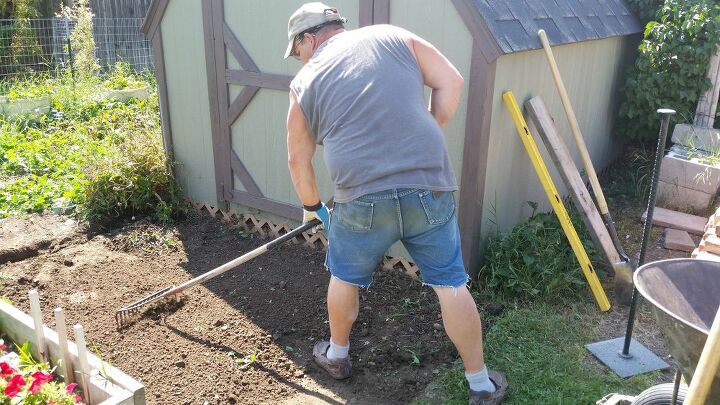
301	149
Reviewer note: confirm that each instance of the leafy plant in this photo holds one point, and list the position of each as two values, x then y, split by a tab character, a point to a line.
534	261
31	382
645	9
24	47
670	71
248	360
122	77
86	63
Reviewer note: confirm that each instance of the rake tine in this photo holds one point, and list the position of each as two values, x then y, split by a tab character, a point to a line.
124	313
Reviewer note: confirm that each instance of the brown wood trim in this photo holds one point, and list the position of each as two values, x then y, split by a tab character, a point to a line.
257	79
244	175
237	50
265	204
475	152
223	161
154	17
241	102
220	144
482	36
381	12
365	16
159	60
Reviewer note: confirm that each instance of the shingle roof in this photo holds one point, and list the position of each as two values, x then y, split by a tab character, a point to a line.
515	23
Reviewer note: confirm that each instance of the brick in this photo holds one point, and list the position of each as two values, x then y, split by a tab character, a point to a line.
710	244
680	198
678	240
677	220
693	173
707	139
705	256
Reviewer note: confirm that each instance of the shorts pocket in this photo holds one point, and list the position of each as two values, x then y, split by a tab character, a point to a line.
438	210
355	215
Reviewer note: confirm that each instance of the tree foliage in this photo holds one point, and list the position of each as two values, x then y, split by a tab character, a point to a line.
671	69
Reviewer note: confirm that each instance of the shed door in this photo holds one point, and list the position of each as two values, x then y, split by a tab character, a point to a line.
248	83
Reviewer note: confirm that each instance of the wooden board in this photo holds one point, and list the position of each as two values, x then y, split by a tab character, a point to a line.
571	177
677	220
678	240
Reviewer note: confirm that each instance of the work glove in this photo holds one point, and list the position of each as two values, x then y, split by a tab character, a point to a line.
318	211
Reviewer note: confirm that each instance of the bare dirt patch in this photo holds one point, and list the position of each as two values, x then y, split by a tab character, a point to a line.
199	349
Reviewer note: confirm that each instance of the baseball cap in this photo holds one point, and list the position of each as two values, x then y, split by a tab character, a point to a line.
307	16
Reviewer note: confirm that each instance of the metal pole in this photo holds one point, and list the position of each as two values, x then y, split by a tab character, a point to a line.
69	47
662	137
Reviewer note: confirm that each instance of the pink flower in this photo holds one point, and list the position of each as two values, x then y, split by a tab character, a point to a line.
39	378
3	346
70	388
78	398
14	385
6	369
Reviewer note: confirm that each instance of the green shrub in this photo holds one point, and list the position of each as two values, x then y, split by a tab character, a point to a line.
671	68
535	260
646	10
122	77
92	158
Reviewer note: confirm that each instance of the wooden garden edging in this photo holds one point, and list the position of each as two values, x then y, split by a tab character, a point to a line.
106	384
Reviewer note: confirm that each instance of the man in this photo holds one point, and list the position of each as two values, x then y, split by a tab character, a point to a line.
360	94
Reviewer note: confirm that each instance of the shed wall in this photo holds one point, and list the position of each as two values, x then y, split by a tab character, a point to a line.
591	72
184	50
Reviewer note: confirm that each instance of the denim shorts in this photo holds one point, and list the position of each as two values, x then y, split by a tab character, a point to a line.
362	230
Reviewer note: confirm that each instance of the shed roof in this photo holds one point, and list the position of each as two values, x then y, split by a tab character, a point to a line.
514	23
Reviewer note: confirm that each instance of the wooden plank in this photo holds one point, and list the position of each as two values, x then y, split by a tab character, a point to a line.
366	13
244	175
265	204
381	12
678	240
222	159
241	102
160	78
677	220
237	50
571	177
219	147
475	150
257	79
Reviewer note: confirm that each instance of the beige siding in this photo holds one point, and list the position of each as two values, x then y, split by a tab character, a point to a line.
592	73
439	22
184	49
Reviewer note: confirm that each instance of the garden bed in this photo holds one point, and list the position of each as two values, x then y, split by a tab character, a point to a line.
201	349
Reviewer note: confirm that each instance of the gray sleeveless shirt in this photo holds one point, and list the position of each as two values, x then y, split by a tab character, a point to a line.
362	95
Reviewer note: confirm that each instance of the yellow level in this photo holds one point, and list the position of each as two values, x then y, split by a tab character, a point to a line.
556	201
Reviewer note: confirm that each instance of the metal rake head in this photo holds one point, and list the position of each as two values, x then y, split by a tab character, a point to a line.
123	314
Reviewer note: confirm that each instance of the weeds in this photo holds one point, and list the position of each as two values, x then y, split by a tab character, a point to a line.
91	158
535	261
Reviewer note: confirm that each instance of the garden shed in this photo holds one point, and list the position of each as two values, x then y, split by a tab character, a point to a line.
223	87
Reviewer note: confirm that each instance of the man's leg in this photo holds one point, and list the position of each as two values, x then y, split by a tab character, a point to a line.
343	306
462	324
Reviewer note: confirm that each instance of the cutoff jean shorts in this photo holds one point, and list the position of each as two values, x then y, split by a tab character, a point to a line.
362	230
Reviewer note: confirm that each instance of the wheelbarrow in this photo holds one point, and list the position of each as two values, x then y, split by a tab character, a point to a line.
685	296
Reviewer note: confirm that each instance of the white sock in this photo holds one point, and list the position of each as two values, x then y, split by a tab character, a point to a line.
337	352
480	381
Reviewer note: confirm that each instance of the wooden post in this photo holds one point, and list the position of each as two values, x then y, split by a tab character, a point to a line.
706	368
707	104
61	328
36	315
83	360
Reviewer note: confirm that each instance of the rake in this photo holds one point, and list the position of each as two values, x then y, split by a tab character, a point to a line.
124	313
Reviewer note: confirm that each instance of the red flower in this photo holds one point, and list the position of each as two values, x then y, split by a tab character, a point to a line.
70	388
14	385
78	398
39	378
6	369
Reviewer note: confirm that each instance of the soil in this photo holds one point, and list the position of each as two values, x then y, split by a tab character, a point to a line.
192	351
198	350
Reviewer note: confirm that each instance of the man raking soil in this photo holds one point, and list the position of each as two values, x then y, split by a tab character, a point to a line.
360	94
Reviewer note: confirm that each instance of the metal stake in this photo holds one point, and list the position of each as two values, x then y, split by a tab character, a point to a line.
641	360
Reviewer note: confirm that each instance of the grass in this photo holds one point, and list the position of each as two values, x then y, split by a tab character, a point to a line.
541	350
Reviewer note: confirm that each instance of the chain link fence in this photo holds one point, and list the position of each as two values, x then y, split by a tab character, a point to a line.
42	45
